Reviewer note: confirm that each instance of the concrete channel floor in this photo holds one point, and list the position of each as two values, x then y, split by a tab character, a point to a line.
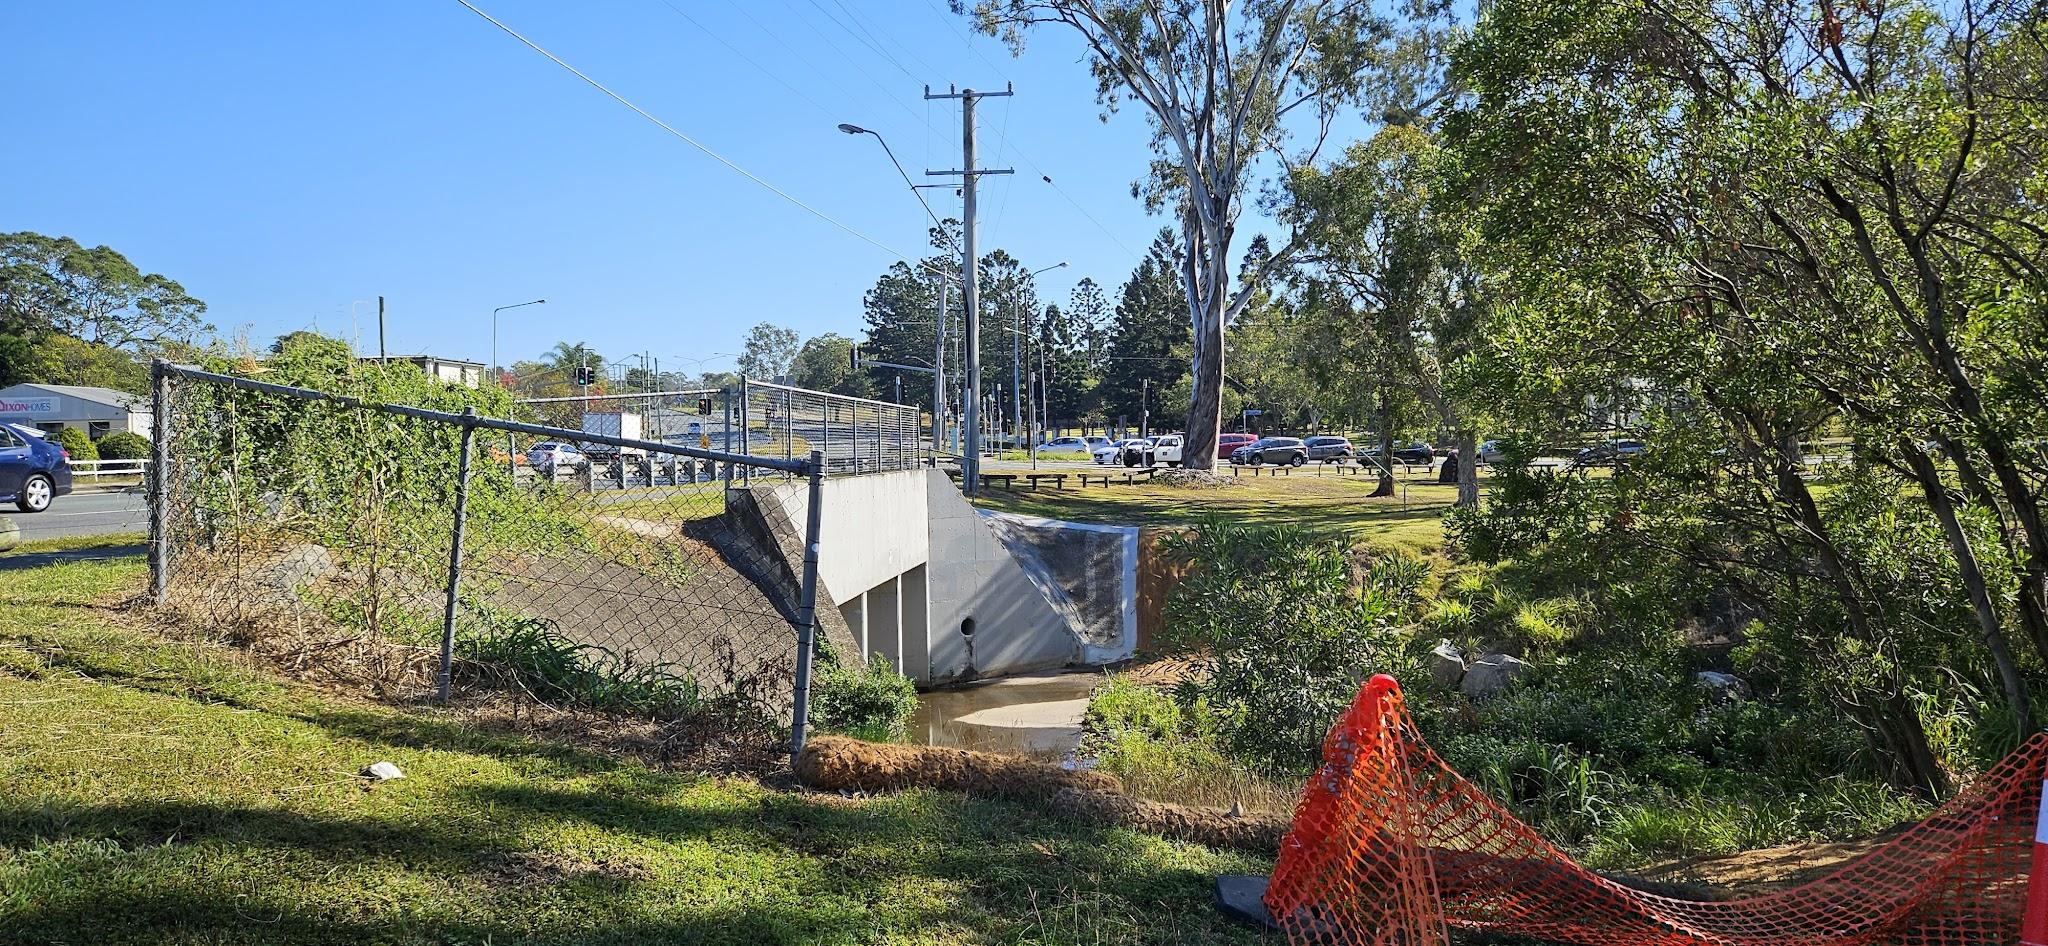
1035	714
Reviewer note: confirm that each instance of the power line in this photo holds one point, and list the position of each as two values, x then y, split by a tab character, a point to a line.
692	142
822	110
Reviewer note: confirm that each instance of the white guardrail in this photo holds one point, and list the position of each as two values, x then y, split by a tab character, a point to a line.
96	470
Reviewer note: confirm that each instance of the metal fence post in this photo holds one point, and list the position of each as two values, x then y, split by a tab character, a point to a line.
159	481
726	396
746	427
807	610
455	555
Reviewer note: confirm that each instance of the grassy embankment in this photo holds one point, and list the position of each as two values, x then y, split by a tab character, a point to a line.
153	791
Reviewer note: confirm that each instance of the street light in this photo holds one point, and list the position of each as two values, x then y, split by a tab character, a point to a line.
939	344
494	329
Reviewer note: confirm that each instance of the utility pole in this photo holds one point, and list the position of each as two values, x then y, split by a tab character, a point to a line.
382	359
939	373
1145	409
970	462
1016	363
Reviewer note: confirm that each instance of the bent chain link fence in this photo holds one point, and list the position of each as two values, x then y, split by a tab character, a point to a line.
416	552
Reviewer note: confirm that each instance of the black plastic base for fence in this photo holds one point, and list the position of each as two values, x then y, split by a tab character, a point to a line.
1242	897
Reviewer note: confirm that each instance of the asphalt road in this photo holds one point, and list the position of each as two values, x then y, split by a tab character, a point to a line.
87	512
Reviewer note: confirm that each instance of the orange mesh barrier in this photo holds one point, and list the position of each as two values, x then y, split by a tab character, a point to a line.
1391	846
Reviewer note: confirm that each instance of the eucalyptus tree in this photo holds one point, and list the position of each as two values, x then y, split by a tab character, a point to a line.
1230	88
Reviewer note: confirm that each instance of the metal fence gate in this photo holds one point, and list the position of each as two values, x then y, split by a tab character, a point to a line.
419	550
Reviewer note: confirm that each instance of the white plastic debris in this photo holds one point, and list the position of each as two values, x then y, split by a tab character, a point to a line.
384	772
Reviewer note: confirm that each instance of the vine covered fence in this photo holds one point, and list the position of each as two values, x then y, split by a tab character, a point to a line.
419	551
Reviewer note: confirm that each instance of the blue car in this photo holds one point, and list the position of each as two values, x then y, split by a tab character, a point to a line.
33	470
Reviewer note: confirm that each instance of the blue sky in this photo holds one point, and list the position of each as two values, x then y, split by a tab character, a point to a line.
286	160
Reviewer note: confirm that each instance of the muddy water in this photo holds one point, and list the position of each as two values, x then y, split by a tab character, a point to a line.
1037	715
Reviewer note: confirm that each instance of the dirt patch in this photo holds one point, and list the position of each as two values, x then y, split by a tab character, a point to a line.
842	764
527	870
1763	870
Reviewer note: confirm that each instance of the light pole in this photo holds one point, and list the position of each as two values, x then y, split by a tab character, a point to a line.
939	345
494	331
1017	362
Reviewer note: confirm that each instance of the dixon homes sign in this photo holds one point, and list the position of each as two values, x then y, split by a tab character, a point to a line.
28	407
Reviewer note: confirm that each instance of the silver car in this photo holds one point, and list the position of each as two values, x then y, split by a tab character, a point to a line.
1328	449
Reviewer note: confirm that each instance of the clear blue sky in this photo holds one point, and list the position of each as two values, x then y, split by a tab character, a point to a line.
285	160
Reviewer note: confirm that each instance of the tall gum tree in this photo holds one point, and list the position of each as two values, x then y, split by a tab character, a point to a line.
1228	87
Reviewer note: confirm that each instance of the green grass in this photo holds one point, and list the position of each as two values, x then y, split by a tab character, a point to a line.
159	792
1304	499
76	543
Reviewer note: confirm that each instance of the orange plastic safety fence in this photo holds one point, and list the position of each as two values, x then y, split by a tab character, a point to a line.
1389	845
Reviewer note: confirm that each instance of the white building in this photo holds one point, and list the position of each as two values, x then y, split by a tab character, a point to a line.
53	407
450	370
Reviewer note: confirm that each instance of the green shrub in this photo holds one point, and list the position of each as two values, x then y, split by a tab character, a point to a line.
122	445
77	444
1285	636
554	669
872	702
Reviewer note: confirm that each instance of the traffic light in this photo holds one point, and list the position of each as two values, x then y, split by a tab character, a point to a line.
704	407
853	357
586	376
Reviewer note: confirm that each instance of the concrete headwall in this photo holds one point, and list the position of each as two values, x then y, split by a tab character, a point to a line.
873	527
987	616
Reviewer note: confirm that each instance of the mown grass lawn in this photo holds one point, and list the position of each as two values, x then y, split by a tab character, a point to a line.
1327	502
159	792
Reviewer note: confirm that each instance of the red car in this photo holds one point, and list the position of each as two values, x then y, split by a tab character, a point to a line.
1227	443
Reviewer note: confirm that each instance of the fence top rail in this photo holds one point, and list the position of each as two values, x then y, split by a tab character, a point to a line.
630	395
827	395
490	423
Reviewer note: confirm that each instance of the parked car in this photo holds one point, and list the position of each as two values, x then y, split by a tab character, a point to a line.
1329	449
1412	453
1284	451
1144	450
1112	452
1227	444
1609	453
1064	445
1491	453
33	469
548	454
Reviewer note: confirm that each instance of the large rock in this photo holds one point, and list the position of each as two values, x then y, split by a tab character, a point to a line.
10	534
1723	689
1490	674
300	566
1446	663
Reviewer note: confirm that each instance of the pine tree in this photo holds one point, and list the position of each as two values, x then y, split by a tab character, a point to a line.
1151	322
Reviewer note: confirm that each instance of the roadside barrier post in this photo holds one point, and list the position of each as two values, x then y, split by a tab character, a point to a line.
807	610
455	555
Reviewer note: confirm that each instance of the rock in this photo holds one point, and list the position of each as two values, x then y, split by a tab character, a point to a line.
1490	674
1446	663
1723	689
10	534
300	566
383	772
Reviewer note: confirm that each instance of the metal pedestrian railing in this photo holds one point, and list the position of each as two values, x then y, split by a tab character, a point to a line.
854	435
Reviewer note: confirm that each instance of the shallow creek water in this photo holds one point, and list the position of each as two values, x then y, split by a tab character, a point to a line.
1036	715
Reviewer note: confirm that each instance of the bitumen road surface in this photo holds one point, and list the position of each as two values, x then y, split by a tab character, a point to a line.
86	512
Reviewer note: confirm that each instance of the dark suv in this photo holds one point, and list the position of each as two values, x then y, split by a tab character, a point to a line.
33	470
1286	451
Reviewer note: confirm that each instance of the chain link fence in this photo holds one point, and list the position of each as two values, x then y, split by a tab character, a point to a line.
855	435
420	552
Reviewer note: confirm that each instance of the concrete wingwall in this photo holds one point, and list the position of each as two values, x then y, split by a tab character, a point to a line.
945	592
